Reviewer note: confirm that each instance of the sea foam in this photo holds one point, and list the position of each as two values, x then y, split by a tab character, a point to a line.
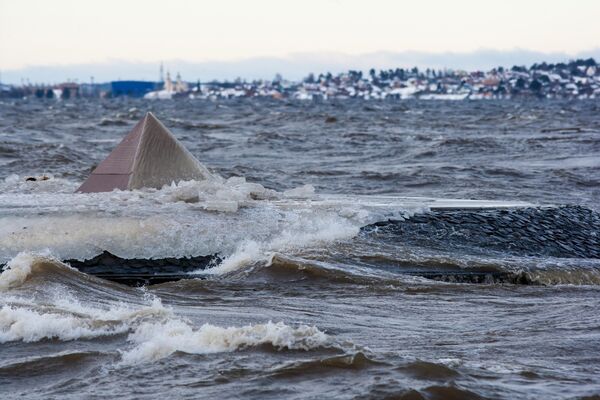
22	324
18	269
155	341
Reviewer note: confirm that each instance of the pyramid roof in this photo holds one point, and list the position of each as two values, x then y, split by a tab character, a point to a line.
149	156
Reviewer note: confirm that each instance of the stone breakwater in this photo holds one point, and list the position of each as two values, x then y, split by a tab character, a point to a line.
562	232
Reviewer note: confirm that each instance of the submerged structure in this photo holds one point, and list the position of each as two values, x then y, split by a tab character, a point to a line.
149	156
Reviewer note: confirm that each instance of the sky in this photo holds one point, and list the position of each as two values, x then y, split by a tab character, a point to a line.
37	34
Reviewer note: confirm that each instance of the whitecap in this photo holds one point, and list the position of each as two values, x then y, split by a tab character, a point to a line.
154	341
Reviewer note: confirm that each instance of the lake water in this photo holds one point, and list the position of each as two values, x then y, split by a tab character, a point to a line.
345	271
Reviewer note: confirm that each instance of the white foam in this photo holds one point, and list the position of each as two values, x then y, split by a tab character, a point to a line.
17	323
19	268
245	254
19	184
155	333
56	313
218	194
155	341
16	271
302	192
65	318
300	232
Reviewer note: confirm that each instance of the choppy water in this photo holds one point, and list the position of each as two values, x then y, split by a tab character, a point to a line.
318	295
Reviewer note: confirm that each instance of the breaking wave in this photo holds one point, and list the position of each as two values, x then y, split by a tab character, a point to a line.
22	324
238	220
154	330
423	269
156	341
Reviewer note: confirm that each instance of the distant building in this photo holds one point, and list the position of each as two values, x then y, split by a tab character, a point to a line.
169	89
94	89
131	88
67	90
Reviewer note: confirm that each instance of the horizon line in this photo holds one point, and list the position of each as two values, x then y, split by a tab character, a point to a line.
293	67
295	55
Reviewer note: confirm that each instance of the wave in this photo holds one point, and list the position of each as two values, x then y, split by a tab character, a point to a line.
65	318
189	219
48	364
450	392
409	268
563	276
156	341
192	125
27	325
17	270
460	267
301	233
44	272
354	361
428	370
154	331
361	262
44	298
284	268
113	122
435	392
153	335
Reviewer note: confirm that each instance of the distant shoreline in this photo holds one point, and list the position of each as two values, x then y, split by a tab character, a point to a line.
577	79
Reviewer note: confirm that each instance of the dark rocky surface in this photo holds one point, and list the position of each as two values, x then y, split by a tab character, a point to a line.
142	271
565	232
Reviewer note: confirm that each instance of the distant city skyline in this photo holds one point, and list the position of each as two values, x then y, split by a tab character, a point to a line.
40	40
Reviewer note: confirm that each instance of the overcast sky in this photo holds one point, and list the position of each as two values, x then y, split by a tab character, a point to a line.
66	32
